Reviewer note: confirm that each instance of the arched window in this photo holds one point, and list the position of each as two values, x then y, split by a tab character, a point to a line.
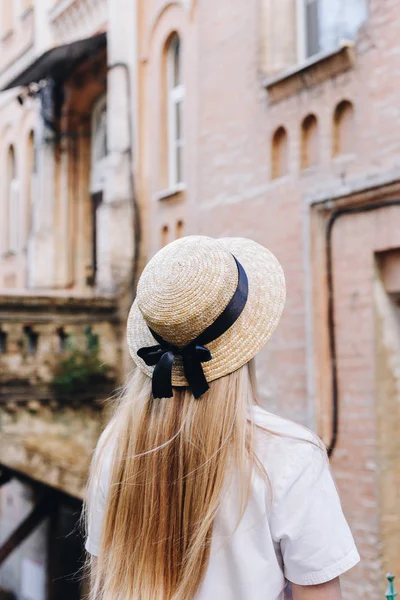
179	229
99	145
31	181
343	129
164	235
175	97
99	152
99	130
309	142
280	153
13	203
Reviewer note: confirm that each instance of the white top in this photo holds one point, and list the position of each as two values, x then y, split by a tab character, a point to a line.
298	533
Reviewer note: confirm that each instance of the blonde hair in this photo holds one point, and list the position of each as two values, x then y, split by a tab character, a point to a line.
172	460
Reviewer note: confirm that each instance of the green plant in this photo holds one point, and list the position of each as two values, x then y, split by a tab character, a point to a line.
81	368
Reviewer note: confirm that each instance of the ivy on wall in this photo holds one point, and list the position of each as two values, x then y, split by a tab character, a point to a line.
81	369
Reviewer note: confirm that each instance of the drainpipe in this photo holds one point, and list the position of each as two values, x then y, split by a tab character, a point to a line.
341	212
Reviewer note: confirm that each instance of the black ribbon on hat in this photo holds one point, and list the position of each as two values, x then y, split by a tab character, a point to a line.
195	353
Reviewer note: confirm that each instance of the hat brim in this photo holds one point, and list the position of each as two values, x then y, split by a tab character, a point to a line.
245	338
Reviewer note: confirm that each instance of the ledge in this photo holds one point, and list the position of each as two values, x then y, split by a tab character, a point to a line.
173	192
358	190
44	308
312	72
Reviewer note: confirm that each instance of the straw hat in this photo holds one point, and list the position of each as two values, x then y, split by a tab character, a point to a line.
188	284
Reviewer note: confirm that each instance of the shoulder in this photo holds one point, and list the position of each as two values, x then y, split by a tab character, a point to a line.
285	447
283	430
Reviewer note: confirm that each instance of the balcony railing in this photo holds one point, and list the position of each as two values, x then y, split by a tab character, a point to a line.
59	361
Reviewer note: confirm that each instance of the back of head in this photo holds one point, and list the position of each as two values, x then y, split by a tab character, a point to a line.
181	429
171	462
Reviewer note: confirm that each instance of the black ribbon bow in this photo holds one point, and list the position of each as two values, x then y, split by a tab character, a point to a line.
163	354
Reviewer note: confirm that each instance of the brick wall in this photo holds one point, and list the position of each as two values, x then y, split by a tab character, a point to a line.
229	125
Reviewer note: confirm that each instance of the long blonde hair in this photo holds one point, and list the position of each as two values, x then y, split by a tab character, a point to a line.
172	460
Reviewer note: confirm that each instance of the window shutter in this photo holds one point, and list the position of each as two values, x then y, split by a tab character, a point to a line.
14	216
312	27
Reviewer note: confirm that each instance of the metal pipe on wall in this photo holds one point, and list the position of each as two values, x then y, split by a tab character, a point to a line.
350	210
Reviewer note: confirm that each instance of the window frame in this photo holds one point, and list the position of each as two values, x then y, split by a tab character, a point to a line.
302	32
13	203
32	183
175	104
98	164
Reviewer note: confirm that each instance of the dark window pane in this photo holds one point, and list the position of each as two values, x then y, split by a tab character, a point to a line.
3	342
178	118
312	27
179	170
32	339
177	61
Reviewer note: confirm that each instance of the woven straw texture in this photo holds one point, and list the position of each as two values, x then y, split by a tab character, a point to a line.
188	284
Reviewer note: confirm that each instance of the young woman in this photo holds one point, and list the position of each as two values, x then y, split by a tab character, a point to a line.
195	491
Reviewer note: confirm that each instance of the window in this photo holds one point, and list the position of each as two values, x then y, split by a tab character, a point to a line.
98	174
309	142
31	182
175	97
164	235
323	24
99	145
96	201
344	131
13	203
3	342
31	339
179	229
280	154
62	340
99	130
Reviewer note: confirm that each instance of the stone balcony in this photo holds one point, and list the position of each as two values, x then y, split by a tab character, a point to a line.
50	414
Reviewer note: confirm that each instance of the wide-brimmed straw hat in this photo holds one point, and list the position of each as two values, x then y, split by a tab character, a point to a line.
231	290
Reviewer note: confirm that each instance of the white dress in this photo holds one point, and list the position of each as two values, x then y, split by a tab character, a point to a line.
295	531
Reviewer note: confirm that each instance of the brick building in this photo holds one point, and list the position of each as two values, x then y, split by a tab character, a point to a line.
273	119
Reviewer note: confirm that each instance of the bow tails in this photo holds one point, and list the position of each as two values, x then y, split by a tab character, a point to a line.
162	357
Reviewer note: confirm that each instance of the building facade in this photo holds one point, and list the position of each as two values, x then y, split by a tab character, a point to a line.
272	119
66	221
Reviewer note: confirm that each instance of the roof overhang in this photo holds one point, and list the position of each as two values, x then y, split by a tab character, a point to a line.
59	62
